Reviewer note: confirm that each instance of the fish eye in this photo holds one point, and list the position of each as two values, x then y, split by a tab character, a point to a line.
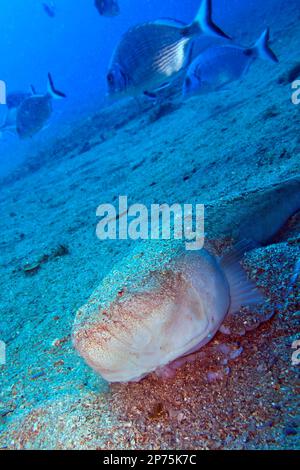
110	78
188	82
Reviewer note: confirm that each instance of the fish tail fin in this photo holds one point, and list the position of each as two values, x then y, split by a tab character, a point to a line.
203	23
262	47
243	292
56	94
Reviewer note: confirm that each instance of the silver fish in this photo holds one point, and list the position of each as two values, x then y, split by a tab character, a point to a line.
221	65
107	7
151	55
35	111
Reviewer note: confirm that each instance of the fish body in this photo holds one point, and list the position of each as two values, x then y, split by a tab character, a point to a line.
13	100
32	115
169	314
34	112
161	303
137	72
8	123
151	55
49	8
108	8
220	65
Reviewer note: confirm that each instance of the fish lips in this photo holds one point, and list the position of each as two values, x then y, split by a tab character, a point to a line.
142	333
90	344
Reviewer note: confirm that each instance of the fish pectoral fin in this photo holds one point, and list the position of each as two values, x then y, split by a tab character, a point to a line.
243	291
163	86
150	95
153	94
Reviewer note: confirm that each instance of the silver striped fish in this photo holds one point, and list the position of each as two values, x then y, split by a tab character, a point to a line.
149	56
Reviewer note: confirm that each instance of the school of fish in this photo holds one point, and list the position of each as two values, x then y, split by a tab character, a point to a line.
149	58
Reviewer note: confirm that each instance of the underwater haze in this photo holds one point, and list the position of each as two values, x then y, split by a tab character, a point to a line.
76	46
116	111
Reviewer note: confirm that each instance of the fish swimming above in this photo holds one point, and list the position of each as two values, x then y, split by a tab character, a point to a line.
9	117
220	65
108	8
161	304
13	100
35	111
151	55
49	8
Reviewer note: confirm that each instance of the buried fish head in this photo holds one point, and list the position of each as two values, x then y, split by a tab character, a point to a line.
144	330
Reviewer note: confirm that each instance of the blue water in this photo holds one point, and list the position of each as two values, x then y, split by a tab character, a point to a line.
76	46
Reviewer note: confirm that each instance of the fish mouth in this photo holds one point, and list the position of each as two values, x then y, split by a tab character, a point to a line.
90	343
145	331
121	349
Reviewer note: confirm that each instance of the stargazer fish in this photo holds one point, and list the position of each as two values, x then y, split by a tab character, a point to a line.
221	65
149	56
35	111
172	312
161	304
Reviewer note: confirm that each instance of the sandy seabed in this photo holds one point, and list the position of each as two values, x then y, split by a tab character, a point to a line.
213	150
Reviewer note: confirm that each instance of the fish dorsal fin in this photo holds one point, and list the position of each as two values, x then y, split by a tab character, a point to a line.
169	22
243	292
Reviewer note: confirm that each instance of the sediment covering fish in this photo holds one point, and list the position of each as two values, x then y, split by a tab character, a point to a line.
162	303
